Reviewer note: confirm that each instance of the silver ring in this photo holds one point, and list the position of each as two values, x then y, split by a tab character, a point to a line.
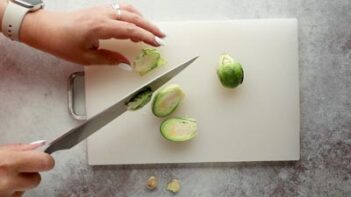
117	9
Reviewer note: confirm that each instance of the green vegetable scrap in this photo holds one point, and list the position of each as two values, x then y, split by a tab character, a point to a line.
173	186
140	100
152	183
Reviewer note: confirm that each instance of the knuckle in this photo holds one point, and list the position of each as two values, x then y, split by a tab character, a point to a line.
130	28
7	166
96	25
4	167
47	162
4	184
36	180
136	18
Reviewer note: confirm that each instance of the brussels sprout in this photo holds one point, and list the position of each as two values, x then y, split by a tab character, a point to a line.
229	71
148	60
138	101
179	129
173	186
167	100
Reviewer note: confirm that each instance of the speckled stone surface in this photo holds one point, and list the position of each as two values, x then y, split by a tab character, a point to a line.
33	106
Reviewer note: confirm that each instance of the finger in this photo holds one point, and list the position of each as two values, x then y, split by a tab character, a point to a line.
18	194
16	147
102	56
140	22
125	30
26	181
33	161
130	8
23	147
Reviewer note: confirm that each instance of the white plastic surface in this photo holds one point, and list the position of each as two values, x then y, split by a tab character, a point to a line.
258	121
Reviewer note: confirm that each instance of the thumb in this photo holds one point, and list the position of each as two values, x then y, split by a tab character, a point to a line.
103	56
24	147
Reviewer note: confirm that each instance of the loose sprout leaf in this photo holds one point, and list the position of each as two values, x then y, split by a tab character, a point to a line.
148	60
179	129
173	186
230	71
167	100
140	100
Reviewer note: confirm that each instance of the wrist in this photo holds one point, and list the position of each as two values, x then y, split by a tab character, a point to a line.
31	27
36	29
20	17
43	30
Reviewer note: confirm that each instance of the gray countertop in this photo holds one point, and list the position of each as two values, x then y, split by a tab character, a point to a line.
33	106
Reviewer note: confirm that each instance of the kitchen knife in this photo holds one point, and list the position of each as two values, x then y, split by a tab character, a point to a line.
76	135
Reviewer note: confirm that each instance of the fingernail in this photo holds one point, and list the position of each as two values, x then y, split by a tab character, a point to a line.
159	41
125	66
163	32
39	142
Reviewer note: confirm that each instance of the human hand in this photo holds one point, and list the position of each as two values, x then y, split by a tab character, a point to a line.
20	167
75	36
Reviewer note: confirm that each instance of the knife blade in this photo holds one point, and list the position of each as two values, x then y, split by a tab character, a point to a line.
81	132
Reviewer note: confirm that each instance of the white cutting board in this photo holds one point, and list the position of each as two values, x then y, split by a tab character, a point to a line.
258	121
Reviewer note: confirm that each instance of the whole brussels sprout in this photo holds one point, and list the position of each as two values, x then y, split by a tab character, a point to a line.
230	71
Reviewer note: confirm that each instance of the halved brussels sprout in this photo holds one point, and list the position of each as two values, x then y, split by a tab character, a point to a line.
179	129
148	60
140	100
167	100
230	71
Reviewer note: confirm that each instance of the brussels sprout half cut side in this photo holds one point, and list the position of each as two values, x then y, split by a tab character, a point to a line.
167	100
179	129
